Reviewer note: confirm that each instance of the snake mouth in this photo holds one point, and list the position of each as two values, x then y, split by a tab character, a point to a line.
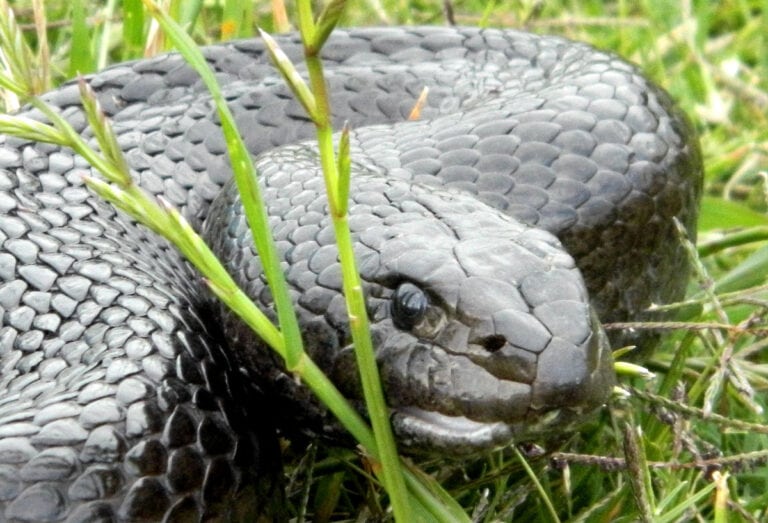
424	432
417	428
421	431
444	402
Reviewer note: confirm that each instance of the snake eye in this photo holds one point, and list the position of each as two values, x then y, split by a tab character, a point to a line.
409	305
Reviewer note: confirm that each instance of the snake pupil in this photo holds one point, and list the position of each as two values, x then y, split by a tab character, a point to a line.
409	304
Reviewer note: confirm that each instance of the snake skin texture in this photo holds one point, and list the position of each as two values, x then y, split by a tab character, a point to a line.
121	392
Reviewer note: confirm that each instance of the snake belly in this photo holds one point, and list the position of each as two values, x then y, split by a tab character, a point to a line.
535	194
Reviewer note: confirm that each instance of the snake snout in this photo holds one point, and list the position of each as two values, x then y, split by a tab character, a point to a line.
577	376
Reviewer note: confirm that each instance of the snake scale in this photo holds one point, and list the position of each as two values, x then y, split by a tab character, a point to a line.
534	194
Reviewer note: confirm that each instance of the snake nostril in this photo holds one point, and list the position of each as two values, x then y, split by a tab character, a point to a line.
493	342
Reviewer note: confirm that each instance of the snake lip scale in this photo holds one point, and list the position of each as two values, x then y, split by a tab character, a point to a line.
533	199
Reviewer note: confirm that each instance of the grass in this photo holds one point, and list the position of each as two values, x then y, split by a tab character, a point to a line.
692	443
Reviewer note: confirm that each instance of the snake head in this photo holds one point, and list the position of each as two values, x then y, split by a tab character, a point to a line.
483	328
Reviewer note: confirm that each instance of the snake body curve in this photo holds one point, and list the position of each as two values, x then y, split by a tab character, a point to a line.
120	400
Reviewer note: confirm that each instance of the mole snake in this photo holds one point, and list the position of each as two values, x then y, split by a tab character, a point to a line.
535	194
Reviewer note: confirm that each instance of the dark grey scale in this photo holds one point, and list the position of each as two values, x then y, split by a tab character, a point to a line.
121	396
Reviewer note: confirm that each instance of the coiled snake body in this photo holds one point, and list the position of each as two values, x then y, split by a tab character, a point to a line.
121	399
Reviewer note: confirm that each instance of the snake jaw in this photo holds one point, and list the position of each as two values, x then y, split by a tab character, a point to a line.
444	401
420	429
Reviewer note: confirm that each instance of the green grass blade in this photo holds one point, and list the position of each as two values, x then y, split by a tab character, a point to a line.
676	512
750	272
378	411
307	25
41	78
545	498
81	60
133	29
103	34
185	13
638	473
732	239
344	169
292	77
432	497
12	85
326	22
21	76
717	213
104	134
245	176
674	493
29	129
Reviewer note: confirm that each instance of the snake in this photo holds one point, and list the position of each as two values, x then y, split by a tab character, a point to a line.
533	198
